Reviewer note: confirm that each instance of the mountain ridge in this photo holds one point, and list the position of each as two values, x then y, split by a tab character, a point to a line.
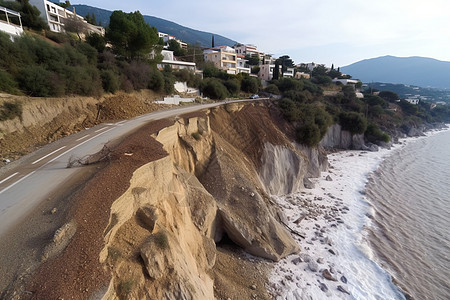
414	70
186	34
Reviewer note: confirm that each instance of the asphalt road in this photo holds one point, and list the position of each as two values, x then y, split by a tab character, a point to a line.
25	184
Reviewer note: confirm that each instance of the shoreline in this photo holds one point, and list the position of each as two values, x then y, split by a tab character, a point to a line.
336	259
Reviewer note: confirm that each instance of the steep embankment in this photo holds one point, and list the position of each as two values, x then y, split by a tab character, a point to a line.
45	120
159	221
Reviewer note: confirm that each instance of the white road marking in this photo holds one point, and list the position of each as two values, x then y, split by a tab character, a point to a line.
9	177
67	151
82	138
44	157
121	122
101	129
21	179
52	160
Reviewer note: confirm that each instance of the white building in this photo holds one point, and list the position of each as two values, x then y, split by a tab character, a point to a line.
10	22
169	59
346	81
266	72
249	50
55	16
167	37
223	57
241	65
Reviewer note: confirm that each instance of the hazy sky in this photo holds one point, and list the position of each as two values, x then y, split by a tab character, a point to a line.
321	31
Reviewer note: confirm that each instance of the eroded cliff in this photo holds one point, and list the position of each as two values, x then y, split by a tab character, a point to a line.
176	225
222	166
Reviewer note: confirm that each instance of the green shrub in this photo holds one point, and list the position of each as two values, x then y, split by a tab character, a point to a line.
57	37
97	41
354	122
214	89
35	81
110	81
308	134
374	134
250	84
289	84
272	89
7	83
156	82
233	86
10	110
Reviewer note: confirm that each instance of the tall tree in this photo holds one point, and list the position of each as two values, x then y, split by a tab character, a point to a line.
276	70
130	36
212	42
285	62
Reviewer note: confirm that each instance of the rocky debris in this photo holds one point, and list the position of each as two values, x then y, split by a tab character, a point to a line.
308	183
343	289
327	275
60	240
343	279
328	178
313	266
323	287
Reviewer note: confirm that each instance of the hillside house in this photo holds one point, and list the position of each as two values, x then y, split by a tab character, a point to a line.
242	65
346	81
249	50
10	22
55	16
170	60
266	72
167	37
223	57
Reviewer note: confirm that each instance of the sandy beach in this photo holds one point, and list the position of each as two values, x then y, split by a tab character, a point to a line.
335	259
328	221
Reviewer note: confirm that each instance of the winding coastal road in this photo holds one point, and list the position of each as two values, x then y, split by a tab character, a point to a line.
27	182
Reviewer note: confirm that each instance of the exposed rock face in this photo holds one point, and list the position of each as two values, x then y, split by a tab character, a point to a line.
338	138
216	181
282	169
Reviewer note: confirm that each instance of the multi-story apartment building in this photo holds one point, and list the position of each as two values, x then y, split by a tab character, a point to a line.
242	65
223	57
10	22
55	16
266	72
167	37
249	50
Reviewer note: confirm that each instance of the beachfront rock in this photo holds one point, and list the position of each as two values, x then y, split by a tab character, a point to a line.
305	257
327	275
332	251
343	279
308	184
343	289
296	260
320	260
328	178
313	266
323	287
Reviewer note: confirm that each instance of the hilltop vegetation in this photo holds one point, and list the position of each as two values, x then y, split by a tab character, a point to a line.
62	64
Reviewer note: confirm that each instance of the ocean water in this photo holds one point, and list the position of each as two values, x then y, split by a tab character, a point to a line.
409	231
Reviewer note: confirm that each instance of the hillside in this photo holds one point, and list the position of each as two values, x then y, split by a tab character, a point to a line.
419	71
188	35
